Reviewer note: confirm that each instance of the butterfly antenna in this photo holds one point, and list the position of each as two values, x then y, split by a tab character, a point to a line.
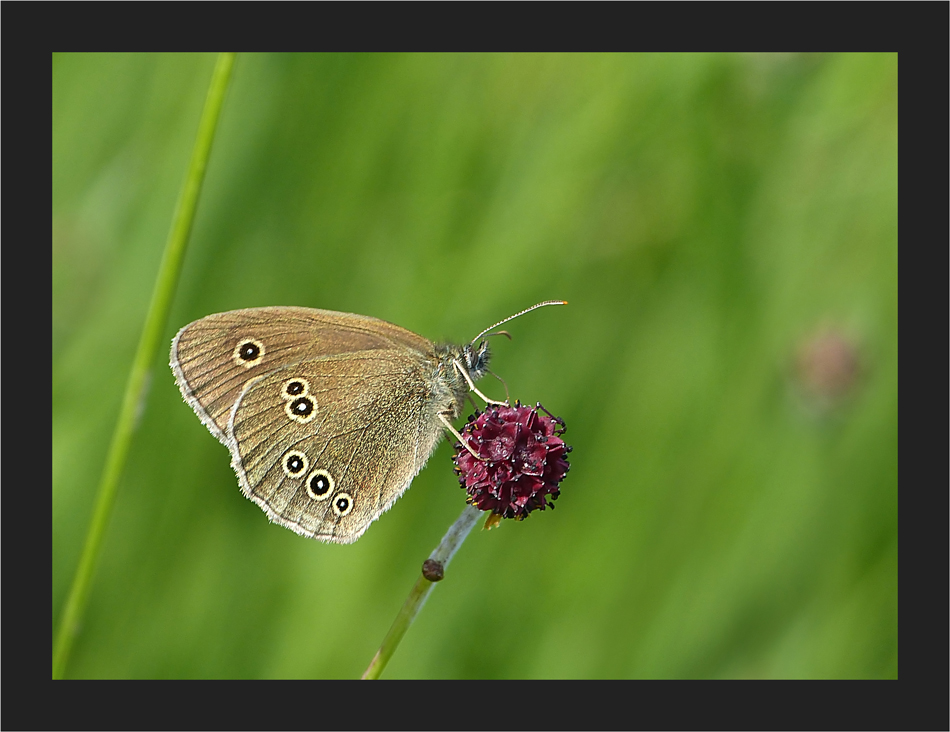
516	315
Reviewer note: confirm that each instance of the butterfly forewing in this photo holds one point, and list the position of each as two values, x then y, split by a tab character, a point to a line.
211	370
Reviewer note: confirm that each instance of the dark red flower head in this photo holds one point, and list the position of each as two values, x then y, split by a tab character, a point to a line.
521	459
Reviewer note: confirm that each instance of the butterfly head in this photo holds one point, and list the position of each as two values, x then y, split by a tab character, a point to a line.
458	368
475	359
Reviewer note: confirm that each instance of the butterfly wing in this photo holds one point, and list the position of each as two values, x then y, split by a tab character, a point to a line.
214	358
326	445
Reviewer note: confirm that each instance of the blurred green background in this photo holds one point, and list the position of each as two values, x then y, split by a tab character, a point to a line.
725	229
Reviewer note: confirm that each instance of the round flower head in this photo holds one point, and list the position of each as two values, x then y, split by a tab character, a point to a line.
521	459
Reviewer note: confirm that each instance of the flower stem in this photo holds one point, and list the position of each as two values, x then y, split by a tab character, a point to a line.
136	386
433	567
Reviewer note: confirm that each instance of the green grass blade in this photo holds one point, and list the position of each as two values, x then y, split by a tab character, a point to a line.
148	347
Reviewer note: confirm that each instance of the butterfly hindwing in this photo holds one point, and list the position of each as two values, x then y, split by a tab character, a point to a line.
327	445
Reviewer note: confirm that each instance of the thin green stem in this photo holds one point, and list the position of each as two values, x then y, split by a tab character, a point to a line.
440	559
135	389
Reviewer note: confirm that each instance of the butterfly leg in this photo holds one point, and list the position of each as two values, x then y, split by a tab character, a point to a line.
471	384
450	428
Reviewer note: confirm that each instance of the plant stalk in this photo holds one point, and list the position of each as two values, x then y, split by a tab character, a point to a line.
433	567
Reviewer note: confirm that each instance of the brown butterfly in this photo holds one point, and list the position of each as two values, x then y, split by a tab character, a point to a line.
328	416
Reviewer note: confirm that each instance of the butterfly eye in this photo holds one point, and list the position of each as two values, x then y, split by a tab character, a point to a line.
295	387
294	463
248	352
342	504
302	409
320	485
